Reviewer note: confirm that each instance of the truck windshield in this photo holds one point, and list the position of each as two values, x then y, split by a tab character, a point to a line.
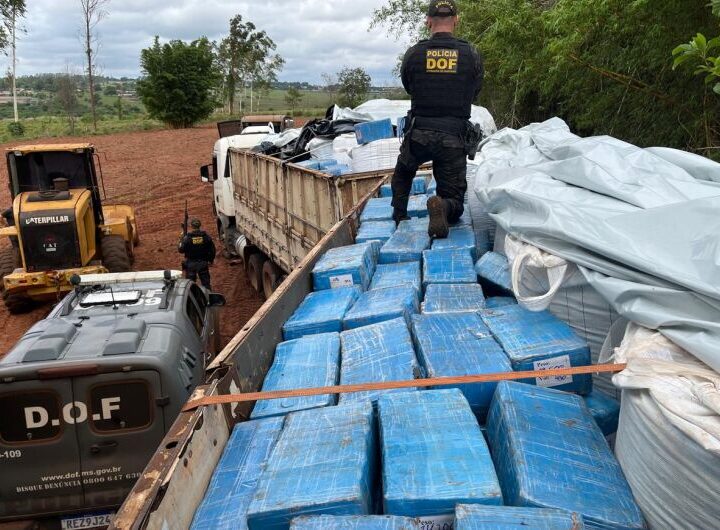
37	171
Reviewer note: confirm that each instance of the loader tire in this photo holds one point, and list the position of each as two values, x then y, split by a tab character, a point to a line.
115	255
255	271
8	263
18	304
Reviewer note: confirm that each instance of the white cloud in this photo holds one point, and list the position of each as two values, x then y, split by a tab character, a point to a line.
314	36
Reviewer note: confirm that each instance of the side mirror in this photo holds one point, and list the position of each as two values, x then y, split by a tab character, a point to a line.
205	174
217	300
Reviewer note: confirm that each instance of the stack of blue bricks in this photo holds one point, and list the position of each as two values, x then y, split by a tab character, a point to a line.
377	210
321	312
434	455
235	479
417	206
605	410
540	341
478	517
398	274
493	270
355	522
377	353
380	305
459	238
404	246
415	224
345	267
374	130
453	298
323	463
457	345
310	362
375	231
448	266
549	453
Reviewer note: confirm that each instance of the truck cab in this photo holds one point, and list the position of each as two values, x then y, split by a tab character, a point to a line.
87	394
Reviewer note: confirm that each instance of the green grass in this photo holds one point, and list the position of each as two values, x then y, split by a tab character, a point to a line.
53	127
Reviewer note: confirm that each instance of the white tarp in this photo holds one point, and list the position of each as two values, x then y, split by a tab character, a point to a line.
644	232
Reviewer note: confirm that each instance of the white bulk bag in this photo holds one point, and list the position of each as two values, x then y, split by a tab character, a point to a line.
375	156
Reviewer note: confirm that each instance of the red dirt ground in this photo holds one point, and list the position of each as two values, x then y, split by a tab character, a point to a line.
155	172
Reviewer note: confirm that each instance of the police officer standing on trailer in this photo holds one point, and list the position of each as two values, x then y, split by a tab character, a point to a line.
199	251
443	76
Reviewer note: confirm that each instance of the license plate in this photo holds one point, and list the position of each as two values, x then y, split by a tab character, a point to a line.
98	520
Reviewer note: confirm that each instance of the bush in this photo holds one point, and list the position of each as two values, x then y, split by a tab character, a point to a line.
16	129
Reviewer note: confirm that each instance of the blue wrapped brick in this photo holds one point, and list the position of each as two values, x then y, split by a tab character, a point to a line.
453	298
605	410
310	362
383	352
321	312
380	305
397	274
459	238
323	464
493	271
434	455
404	246
345	267
448	266
477	517
236	476
379	209
358	522
415	224
309	164
417	206
456	345
375	231
497	302
432	187
540	341
386	190
372	131
549	453
337	169
419	186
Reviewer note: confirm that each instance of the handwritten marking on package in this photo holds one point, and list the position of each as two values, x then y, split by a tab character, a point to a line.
344	280
437	522
553	364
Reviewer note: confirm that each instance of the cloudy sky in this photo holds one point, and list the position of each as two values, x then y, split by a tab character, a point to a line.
314	36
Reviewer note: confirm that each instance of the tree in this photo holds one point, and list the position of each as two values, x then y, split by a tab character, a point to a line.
353	86
93	11
11	11
179	82
66	96
293	97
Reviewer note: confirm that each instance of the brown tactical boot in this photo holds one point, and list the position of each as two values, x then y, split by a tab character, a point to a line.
438	228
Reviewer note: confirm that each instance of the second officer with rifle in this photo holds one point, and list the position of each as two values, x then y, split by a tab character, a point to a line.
199	251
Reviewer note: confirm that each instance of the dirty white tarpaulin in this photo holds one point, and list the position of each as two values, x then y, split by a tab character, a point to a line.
644	232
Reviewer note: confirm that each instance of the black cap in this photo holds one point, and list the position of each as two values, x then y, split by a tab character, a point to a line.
442	8
195	223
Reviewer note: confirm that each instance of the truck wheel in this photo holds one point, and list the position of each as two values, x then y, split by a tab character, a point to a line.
8	263
115	255
255	271
271	278
18	304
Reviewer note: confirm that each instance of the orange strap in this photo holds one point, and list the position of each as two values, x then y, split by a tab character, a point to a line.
394	385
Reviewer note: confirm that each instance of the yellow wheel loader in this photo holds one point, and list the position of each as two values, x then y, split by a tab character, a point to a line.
58	226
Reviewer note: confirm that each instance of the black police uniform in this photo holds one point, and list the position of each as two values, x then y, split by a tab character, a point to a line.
443	76
199	251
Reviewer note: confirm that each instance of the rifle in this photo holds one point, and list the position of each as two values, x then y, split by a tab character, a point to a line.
186	222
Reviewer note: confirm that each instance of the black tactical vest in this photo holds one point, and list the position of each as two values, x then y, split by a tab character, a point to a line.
197	245
442	78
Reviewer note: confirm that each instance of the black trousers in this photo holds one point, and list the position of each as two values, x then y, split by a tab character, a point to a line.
447	152
195	269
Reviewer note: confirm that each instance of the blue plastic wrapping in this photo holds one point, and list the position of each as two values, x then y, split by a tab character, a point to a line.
497	302
337	169
453	298
605	410
357	522
549	453
375	231
404	246
448	266
236	476
419	186
459	238
378	353
310	362
372	131
323	463
460	344
432	187
326	163
386	190
396	274
540	341
493	270
415	224
379	209
380	305
309	164
434	455
477	517
417	206
321	312
345	267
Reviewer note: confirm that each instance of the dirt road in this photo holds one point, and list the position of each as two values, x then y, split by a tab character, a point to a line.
155	172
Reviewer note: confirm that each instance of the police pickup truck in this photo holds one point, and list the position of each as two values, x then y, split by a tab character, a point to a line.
87	394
